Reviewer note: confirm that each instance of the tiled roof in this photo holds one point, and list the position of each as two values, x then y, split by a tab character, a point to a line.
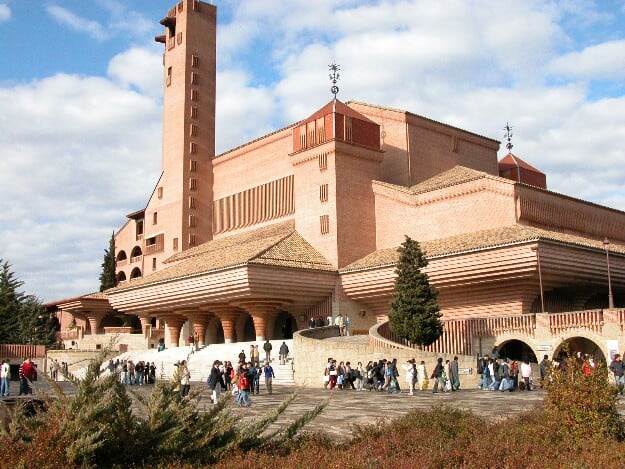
513	234
514	161
340	108
277	245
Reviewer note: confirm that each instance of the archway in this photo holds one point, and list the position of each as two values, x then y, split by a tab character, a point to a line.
121	255
121	276
284	326
249	333
582	345
136	252
136	273
517	350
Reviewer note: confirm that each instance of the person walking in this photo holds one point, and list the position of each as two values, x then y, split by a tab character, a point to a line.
437	376
5	378
284	353
267	347
269	376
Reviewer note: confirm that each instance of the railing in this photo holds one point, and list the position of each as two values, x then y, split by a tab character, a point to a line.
121	263
458	335
118	330
135	259
559	322
67	335
22	351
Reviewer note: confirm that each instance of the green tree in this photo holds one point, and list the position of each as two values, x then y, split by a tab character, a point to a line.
23	318
107	277
415	314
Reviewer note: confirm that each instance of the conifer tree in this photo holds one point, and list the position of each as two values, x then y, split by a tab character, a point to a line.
415	314
107	277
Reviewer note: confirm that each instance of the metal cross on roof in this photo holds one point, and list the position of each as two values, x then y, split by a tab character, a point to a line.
334	77
508	136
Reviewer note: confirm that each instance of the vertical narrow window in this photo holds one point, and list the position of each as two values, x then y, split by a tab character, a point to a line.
194	78
324	221
175	244
192	221
323	192
191	202
302	136
160	192
193	166
154	263
195	61
194	112
194	95
168	79
192	184
154	218
323	161
193	148
348	129
192	239
193	130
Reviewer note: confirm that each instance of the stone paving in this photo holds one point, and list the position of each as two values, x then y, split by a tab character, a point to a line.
349	407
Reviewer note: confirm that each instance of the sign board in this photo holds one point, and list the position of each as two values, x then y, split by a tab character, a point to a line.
465	371
544	348
612	346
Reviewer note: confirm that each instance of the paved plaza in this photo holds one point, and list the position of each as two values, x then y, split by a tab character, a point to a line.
349	407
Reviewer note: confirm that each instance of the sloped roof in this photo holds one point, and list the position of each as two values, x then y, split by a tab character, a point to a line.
514	161
496	237
276	245
340	108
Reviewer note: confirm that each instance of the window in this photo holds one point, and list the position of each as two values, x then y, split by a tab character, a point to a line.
191	202
324	221
194	78
168	79
192	240
154	263
348	129
195	60
302	136
192	184
323	192
193	148
175	244
179	37
193	112
323	161
194	96
193	166
193	130
154	218
192	221
160	192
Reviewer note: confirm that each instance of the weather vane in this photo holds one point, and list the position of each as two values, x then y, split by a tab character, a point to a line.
508	136
334	77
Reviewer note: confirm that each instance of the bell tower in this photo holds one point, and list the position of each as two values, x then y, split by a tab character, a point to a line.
181	207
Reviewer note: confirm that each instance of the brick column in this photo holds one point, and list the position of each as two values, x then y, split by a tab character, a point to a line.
199	322
173	326
146	323
264	313
95	319
227	315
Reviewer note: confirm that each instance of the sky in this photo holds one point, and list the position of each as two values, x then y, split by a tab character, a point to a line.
81	99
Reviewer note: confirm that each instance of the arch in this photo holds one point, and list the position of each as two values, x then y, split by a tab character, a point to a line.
136	273
121	256
515	349
214	332
581	344
136	252
249	333
121	276
284	326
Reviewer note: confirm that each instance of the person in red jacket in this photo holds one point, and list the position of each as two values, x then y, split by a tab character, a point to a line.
27	373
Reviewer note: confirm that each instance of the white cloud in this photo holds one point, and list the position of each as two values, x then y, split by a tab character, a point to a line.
601	61
140	68
77	23
5	12
66	148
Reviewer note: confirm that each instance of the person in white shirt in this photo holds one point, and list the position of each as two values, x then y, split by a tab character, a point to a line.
526	374
5	378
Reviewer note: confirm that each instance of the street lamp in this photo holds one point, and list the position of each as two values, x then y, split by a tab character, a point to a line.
606	245
540	278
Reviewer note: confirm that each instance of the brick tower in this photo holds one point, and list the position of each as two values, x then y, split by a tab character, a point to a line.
180	210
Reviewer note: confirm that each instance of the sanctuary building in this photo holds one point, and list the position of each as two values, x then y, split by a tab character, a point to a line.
305	223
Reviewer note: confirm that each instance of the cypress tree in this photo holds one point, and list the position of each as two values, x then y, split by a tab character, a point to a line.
415	314
107	277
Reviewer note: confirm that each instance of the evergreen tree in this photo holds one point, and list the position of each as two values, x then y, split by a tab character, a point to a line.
10	305
107	277
415	314
23	318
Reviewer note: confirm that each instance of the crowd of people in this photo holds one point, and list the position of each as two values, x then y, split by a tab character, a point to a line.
383	375
133	374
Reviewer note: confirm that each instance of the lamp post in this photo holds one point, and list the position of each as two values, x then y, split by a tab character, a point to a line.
540	278
606	245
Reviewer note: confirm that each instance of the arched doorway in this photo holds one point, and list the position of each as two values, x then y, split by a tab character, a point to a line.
284	326
575	345
517	350
249	333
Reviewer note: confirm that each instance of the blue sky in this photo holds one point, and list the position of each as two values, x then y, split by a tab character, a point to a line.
80	93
